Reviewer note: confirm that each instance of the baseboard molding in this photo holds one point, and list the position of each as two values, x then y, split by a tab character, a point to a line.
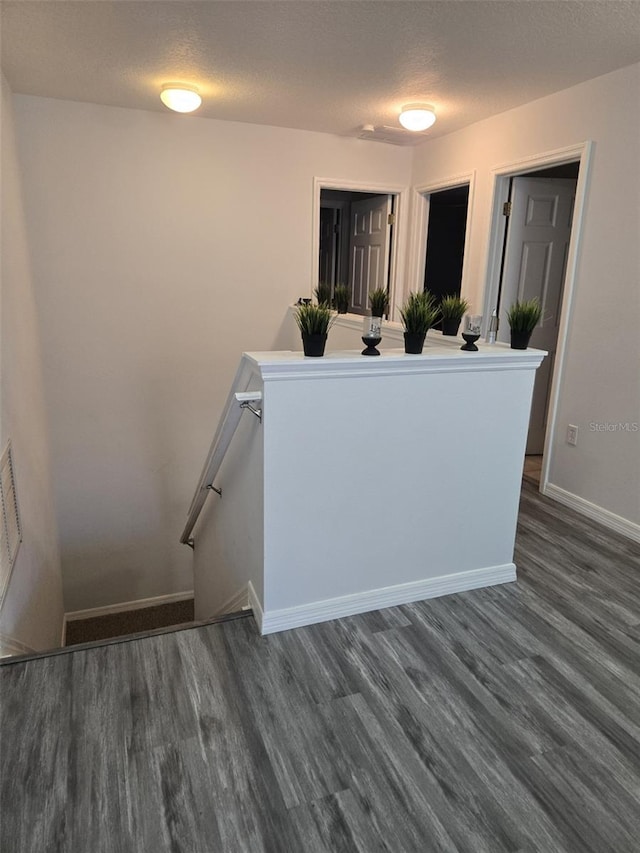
597	513
235	602
254	604
270	622
138	604
9	647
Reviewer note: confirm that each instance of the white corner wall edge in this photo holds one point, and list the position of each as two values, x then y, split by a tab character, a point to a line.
593	511
254	604
377	599
9	647
236	602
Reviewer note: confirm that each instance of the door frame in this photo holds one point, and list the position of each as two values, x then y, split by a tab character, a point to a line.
581	153
399	240
335	206
420	223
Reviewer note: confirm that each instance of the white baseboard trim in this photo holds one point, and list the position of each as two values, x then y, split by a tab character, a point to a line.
254	604
591	510
235	602
376	599
9	647
138	604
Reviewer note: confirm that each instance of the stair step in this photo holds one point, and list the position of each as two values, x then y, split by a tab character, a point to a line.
127	638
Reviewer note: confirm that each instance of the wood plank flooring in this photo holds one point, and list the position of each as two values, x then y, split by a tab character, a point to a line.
502	720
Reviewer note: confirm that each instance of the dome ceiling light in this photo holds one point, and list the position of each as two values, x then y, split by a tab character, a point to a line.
180	97
417	116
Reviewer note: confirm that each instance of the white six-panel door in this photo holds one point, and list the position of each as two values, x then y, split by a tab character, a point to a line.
369	249
538	237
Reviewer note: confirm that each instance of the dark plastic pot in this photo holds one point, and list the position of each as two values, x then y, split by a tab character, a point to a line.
520	340
313	345
450	327
413	342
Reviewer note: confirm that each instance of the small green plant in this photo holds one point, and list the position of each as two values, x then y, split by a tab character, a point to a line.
323	293
524	316
314	319
453	308
379	302
419	313
341	298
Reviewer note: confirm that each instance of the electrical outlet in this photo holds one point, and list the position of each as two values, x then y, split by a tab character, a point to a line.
572	434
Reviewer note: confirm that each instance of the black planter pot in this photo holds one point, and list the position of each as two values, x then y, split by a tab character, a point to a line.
313	345
413	342
520	340
450	327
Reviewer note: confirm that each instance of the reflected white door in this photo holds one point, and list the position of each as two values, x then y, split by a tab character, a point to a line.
369	249
538	237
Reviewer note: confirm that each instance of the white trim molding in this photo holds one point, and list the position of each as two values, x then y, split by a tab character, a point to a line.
580	152
236	602
608	519
441	358
377	599
125	606
9	647
420	222
400	240
256	606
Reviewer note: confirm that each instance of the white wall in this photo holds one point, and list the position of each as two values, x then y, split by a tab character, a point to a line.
32	610
600	383
163	246
357	514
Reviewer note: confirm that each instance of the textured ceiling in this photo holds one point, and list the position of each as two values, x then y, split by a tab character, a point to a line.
315	65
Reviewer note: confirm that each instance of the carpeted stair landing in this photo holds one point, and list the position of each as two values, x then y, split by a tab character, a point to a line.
129	622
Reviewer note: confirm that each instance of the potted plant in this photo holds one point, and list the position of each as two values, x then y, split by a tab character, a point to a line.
341	298
452	310
323	293
523	317
314	322
379	302
419	313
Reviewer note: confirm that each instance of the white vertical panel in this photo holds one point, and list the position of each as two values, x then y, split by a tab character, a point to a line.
370	247
359	276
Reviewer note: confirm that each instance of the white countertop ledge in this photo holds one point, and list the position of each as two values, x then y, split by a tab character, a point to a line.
436	358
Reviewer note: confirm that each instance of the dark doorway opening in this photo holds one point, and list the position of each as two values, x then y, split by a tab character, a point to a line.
445	241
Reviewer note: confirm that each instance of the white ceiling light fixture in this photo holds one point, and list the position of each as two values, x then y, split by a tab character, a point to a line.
417	116
180	97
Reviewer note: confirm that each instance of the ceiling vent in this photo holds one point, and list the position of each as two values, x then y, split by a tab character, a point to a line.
391	135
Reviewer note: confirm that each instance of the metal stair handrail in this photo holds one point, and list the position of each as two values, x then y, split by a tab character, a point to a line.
239	399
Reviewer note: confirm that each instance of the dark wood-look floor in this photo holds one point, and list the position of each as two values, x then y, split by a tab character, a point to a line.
502	720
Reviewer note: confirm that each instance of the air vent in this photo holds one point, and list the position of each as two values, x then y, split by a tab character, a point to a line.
391	135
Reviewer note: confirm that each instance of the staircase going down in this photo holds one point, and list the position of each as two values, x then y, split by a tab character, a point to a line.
127	638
